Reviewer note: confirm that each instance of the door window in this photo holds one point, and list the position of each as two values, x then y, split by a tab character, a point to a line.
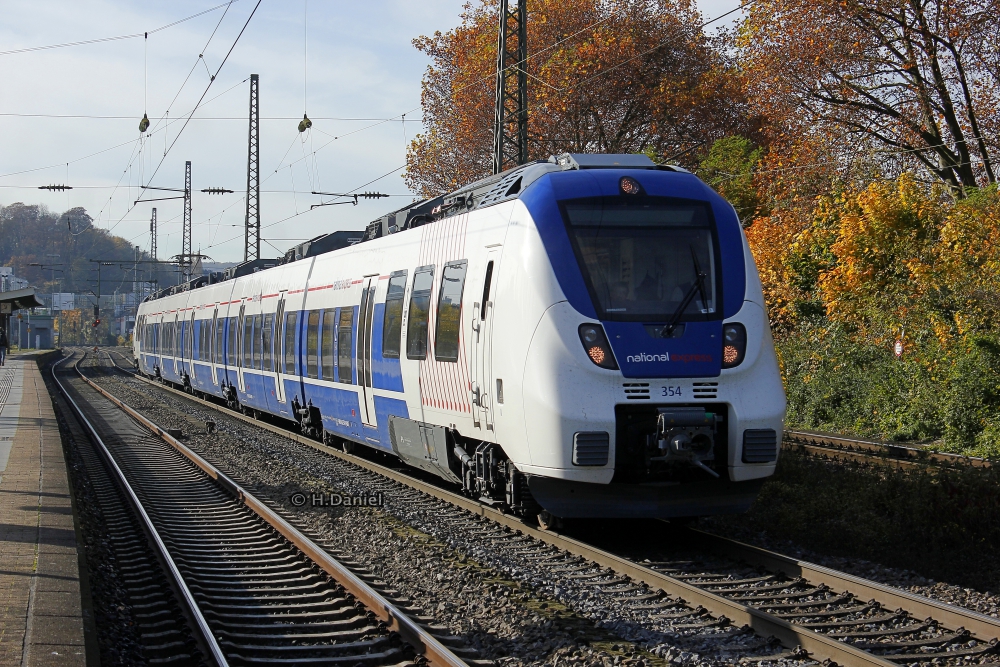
365	336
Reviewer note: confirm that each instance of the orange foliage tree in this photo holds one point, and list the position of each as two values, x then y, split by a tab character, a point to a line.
916	83
609	76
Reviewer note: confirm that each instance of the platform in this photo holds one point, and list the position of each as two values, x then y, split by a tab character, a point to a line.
41	620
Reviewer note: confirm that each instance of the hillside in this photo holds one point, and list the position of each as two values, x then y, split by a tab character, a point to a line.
33	234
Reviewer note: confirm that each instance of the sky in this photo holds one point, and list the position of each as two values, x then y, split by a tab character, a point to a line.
70	116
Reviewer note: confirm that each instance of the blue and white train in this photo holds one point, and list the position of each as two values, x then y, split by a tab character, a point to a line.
579	337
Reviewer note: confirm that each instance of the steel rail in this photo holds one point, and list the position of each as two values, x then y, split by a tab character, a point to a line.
436	653
790	635
206	636
842	446
982	626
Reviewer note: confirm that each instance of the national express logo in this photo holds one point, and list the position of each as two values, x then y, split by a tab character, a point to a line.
643	358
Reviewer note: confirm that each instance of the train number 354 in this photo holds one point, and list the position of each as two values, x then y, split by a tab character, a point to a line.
670	391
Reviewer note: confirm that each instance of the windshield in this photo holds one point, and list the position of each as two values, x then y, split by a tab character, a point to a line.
641	256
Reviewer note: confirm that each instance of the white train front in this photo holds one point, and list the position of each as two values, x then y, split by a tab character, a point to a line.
583	337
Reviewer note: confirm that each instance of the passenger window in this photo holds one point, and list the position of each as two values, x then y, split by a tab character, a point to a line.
449	314
233	350
265	338
248	341
344	334
189	339
420	307
258	326
219	330
392	322
326	349
291	322
312	344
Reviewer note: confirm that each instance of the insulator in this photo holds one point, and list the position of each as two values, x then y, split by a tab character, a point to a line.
144	123
305	123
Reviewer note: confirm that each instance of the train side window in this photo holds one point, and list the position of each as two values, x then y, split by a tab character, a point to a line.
449	313
420	308
326	348
248	341
392	322
233	348
265	339
312	344
344	335
219	330
258	322
291	322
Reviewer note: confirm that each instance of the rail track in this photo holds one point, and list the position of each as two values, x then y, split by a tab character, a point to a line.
251	586
832	446
813	611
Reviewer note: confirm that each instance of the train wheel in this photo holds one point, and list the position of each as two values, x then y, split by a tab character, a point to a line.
549	521
349	447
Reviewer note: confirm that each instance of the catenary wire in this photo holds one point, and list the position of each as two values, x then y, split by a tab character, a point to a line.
113	39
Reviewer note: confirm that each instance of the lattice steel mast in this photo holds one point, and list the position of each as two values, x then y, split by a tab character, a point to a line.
186	258
510	126
152	235
251	245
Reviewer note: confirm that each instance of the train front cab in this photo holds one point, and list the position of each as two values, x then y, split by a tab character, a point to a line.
652	388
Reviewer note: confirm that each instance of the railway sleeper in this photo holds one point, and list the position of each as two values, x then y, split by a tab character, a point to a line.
959	635
899	630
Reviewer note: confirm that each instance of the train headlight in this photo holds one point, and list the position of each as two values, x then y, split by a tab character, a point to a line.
734	344
595	343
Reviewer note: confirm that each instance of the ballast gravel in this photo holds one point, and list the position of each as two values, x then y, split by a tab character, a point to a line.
487	585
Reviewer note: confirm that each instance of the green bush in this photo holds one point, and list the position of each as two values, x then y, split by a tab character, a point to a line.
835	382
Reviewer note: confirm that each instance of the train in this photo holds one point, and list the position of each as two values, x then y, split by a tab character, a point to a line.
579	337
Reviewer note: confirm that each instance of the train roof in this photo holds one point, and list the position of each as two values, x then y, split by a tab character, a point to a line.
488	191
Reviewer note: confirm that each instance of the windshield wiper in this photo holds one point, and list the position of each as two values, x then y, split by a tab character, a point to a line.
699	285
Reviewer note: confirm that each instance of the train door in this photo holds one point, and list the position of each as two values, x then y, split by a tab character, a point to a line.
214	350
242	348
365	350
483	393
175	345
279	354
190	350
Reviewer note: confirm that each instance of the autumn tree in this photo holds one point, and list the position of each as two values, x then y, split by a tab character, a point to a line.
914	81
31	234
614	76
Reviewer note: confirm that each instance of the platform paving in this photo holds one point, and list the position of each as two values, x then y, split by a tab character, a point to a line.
41	621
